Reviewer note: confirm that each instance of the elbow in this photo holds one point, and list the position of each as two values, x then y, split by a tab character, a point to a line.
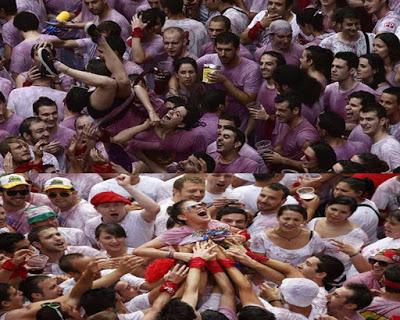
244	39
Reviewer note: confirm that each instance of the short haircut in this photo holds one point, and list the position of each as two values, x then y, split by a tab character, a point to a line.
393	91
8	240
4	293
96	300
30	285
176	309
230	117
222	211
292	100
326	156
26	21
43	101
113	229
228	38
364	96
210	162
225	20
375	107
239	135
175	29
2	97
9	6
77	99
344	200
311	16
174	6
33	236
66	261
362	296
346	13
392	273
292	207
26	124
332	123
250	312
351	58
276	186
212	99
332	266
280	59
110	27
179	183
5	144
152	17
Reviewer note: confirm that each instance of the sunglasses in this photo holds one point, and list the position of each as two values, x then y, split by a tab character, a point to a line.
13	193
380	263
63	194
196	206
56	306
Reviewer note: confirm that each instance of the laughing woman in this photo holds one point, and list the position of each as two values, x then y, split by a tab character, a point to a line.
190	223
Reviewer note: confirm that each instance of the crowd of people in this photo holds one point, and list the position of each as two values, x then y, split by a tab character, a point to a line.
200	246
167	86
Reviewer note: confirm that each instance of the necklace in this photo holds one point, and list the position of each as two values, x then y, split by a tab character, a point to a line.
286	238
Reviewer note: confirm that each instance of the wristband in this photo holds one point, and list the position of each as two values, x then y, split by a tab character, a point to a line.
169	287
137	33
245	234
214	267
256	257
9	265
27	83
227	263
253	32
197	263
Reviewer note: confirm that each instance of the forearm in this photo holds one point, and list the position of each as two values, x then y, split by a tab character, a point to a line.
138	54
241	96
158	304
291	163
267	272
151	208
360	263
144	98
125	135
250	126
107	280
152	166
244	37
191	293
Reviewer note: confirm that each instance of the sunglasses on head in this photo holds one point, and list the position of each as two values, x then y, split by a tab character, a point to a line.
63	194
380	263
13	193
196	206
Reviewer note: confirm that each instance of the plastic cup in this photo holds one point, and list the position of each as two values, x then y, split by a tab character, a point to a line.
312	176
37	262
306	193
161	77
289	171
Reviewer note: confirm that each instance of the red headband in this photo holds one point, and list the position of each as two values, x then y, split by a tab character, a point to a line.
391	284
392	254
108	197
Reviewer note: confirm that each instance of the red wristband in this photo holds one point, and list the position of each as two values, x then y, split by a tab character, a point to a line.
169	287
9	265
137	33
197	263
21	272
27	83
245	234
256	257
214	267
227	263
253	32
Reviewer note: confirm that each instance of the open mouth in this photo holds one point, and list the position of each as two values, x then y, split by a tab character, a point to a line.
203	213
114	215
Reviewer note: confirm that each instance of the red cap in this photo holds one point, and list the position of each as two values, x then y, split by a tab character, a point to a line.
108	197
392	254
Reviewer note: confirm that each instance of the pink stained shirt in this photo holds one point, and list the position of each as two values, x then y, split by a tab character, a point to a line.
77	215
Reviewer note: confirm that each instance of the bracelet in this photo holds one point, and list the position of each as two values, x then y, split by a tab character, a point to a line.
214	267
197	263
137	33
273	300
353	255
169	287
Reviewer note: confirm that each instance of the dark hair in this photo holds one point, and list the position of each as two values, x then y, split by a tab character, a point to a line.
98	66
372	163
176	309
176	100
392	273
292	99
191	119
26	21
375	107
332	266
365	186
185	60
239	135
8	240
378	65
307	88
362	296
364	96
174	211
210	162
26	124
311	16
326	156
280	59
393	44
222	211
230	117
114	229
350	57
263	176
2	97
109	27
351	166
322	59
279	187
96	300
393	91
5	144
48	313
346	13
31	285
212	99
225	20
65	262
255	313
174	6
76	99
209	314
117	44
292	207
152	17
228	37
4	293
9	6
394	214
344	200
332	123
43	101
33	236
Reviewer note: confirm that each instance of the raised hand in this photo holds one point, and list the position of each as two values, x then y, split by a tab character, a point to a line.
177	274
204	250
123	180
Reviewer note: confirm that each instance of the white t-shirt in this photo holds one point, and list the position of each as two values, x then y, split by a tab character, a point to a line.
140	302
387	195
388	150
160	224
366	219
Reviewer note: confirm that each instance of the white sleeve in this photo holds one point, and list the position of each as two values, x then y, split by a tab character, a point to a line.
140	302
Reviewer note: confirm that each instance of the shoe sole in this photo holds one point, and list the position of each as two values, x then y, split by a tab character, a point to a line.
44	64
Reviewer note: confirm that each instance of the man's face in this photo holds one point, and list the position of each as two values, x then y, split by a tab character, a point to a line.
50	289
51	240
62	198
215	28
283	112
339	70
16	299
174	117
154	3
338	298
20	151
126	291
190	165
267	66
373	6
305	62
370	122
173	43
112	212
310	161
353	108
48	114
379	264
81	122
226	52
226	142
277	7
270	200
17	196
350	27
39	132
96	7
222	124
282	40
235	220
309	268
190	191
218	182
390	103
3	112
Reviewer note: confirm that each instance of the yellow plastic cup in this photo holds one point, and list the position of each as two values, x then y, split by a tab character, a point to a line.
63	16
